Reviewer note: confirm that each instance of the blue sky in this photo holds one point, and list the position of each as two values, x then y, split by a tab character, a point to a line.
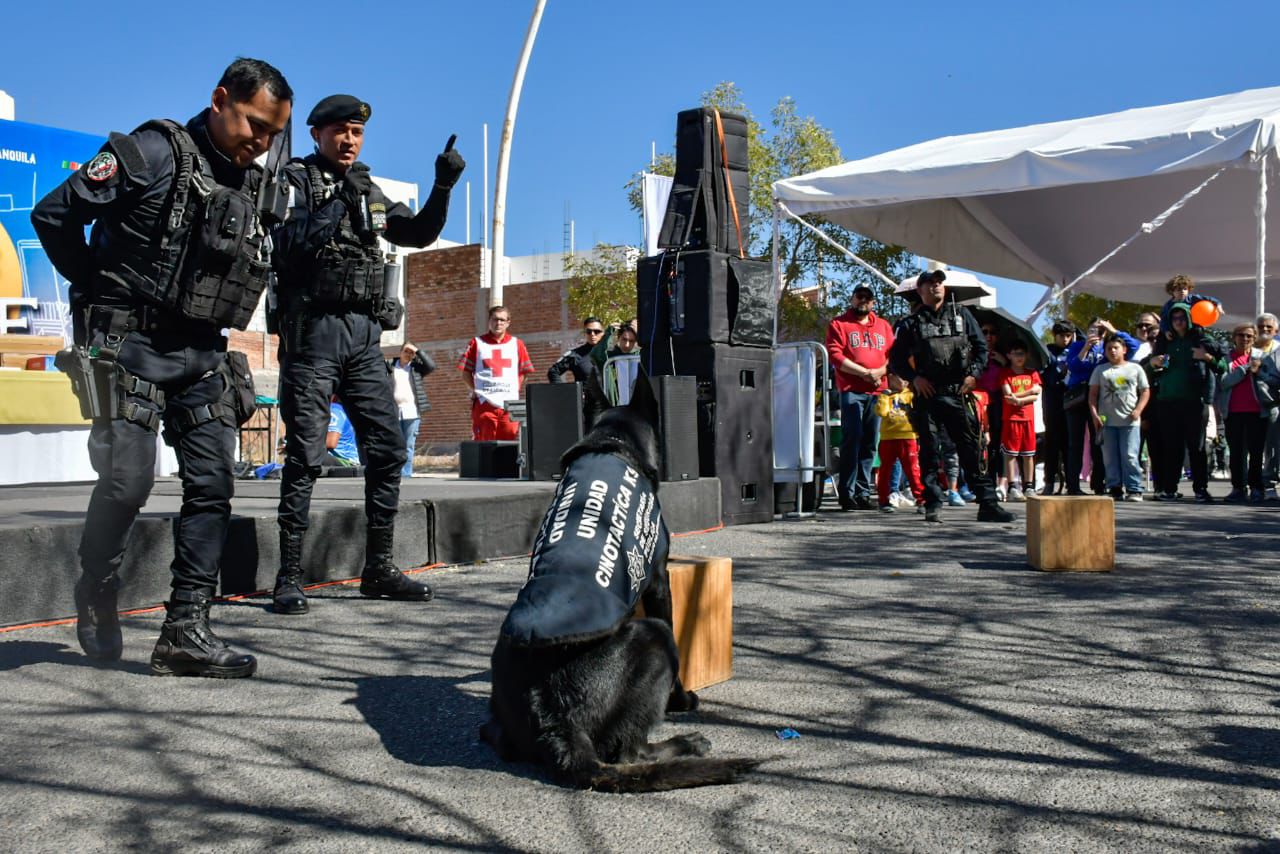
607	78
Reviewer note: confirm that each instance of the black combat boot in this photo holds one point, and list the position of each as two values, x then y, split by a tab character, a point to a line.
288	598
188	647
380	576
97	622
993	512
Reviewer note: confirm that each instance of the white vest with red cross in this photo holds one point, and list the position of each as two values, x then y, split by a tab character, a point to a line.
497	373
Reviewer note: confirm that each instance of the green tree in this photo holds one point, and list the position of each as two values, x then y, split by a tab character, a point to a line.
818	279
1081	308
602	283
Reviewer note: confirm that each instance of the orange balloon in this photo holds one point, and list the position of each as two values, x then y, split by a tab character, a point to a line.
1205	313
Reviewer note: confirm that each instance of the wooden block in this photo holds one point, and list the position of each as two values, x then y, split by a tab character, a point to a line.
17	360
38	345
702	617
1074	533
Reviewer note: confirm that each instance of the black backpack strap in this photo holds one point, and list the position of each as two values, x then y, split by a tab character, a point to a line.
189	173
315	179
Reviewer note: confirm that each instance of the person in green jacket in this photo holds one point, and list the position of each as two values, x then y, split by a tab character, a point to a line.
1185	367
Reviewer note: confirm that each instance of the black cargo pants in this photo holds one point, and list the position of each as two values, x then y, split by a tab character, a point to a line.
185	365
947	410
323	354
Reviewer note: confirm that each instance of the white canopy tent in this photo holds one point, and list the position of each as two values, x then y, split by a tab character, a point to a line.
1112	205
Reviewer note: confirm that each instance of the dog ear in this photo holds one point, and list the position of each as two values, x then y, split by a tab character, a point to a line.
643	401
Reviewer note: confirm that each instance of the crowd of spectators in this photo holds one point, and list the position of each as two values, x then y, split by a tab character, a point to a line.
1131	414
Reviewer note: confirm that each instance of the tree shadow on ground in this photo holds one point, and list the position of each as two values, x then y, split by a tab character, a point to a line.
1247	745
24	653
445	733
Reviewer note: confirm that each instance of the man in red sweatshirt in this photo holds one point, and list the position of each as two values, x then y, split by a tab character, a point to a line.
858	344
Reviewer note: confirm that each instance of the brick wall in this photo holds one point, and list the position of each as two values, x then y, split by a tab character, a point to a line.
446	308
259	347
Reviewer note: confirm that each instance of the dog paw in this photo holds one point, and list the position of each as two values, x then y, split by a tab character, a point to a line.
693	744
682	701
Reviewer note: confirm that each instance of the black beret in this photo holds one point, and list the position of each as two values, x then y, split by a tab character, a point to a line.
339	108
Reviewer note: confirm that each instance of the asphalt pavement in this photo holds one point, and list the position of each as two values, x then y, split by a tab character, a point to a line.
947	698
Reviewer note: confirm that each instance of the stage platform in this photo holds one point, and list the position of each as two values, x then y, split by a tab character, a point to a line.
442	519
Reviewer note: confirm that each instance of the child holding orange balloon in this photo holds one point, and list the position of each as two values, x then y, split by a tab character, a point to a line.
1185	366
1203	310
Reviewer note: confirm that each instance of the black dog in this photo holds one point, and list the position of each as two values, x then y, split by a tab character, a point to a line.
577	684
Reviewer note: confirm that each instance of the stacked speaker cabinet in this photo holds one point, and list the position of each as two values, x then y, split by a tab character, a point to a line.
553	425
704	297
710	196
678	427
707	312
735	424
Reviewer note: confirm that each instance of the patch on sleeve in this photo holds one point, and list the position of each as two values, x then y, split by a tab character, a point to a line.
102	167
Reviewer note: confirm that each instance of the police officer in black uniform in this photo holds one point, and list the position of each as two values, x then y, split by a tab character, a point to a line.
332	309
941	351
178	252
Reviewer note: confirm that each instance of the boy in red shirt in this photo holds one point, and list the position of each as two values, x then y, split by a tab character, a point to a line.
1021	387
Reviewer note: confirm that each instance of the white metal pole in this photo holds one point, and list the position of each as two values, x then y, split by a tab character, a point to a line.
504	155
1262	235
468	213
484	213
777	270
484	192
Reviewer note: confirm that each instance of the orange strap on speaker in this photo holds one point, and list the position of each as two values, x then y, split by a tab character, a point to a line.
724	160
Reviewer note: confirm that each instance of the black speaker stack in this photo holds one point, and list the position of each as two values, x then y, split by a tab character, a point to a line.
553	413
706	312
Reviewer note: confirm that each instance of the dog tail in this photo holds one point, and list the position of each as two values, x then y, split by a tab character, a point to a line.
671	774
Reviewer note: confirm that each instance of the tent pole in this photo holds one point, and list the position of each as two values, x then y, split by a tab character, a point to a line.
777	269
822	234
1262	235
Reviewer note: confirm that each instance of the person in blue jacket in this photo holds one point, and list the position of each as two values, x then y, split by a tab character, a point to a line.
1081	357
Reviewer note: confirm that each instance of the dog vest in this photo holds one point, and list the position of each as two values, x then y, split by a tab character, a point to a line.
497	375
593	557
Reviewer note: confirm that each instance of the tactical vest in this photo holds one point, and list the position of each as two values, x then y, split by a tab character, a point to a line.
593	557
210	259
349	269
941	355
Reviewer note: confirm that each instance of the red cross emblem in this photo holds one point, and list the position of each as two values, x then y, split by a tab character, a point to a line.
497	363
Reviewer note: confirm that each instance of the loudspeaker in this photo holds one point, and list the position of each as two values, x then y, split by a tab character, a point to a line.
678	427
554	423
735	424
489	459
705	297
709	165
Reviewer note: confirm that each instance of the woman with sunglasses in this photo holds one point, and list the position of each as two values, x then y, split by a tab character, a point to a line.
1240	402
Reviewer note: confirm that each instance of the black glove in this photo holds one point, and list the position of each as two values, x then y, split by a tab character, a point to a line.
422	363
449	165
356	185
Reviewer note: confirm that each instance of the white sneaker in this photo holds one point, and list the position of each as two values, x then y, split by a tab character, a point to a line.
1000	493
1015	493
895	500
905	499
